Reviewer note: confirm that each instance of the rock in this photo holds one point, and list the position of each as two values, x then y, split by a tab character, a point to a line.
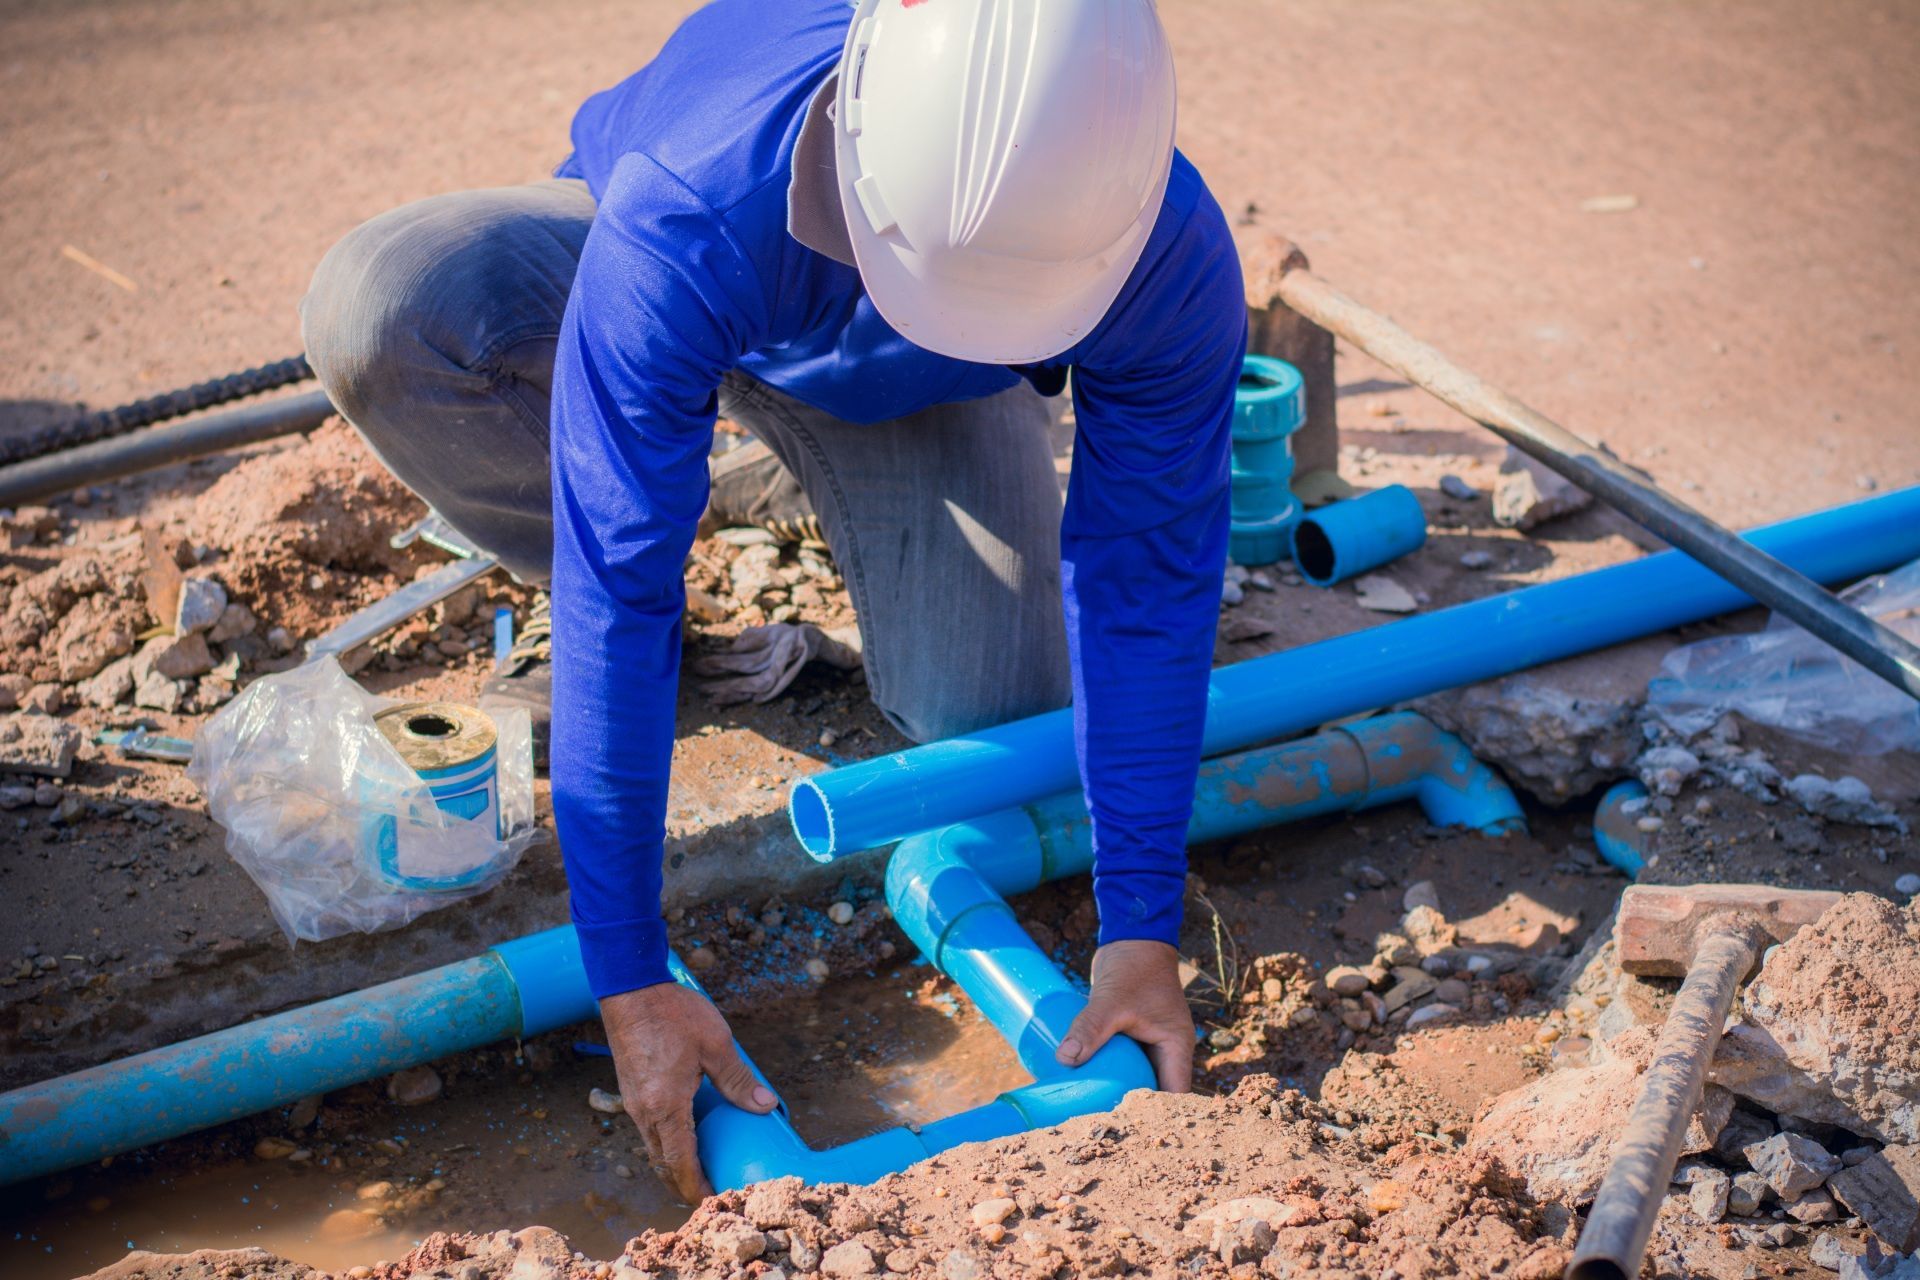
1457	489
1529	494
1746	1193
736	1241
90	636
1412	984
235	620
848	1258
841	913
902	1261
1665	770
1422	893
274	1148
1815	1041
1452	991
414	1086
1476	560
1345	980
1780	1235
700	960
1428	930
1249	1241
780	1203
1709	1195
1743	1129
1792	1163
110	687
155	691
47	698
175	657
1827	1252
280	640
962	1265
1814	1207
34	743
606	1103
202	601
1844	800
1557	1132
1883	1191
1428	1013
1908	884
992	1212
46	795
15	796
1378	592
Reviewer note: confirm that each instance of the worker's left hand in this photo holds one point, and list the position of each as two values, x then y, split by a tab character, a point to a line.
1137	992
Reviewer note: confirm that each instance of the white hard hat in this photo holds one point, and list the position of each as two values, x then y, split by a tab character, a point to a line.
1001	164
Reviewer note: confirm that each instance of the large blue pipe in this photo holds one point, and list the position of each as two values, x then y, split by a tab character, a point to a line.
1616	828
878	801
947	889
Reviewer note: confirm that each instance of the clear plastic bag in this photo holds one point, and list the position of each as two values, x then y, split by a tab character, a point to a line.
332	823
1784	678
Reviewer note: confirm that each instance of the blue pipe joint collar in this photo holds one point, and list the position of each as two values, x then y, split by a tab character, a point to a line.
1359	535
1269	405
550	978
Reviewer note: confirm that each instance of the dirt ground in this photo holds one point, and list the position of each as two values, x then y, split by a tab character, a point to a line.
1752	310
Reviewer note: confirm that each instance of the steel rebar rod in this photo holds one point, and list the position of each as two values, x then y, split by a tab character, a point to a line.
161	446
1629	1197
1874	646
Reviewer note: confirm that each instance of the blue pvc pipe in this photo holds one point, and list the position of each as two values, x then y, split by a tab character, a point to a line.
1617	832
879	801
947	889
1269	406
1347	539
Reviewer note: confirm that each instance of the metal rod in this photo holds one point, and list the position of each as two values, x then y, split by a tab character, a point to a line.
160	446
1629	1198
1877	648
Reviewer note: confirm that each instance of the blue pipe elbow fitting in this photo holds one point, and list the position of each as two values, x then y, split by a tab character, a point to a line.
1268	407
1616	828
1347	539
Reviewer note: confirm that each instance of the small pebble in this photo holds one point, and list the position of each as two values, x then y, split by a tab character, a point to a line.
609	1103
817	969
1476	560
1908	884
1457	489
841	913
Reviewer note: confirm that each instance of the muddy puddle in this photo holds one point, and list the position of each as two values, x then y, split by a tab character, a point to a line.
513	1144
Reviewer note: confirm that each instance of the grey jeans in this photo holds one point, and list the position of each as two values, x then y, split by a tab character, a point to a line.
433	328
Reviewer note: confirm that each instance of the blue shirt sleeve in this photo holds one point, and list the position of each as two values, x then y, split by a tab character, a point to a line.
664	304
1143	549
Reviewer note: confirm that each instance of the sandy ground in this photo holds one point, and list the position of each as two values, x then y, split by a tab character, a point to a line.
1740	332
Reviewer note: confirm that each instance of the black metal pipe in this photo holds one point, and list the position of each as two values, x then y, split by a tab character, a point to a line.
1874	646
160	446
1629	1198
121	419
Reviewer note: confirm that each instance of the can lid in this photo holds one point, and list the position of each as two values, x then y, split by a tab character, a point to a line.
437	735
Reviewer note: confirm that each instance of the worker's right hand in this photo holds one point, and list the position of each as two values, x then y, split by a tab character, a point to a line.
664	1038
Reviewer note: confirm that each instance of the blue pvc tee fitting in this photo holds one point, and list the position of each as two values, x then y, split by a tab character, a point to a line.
1350	538
1269	406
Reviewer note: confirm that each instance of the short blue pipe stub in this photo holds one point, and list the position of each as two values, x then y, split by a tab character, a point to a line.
1350	538
1268	407
1616	828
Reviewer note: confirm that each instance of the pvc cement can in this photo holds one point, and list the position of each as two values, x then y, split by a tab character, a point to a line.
454	750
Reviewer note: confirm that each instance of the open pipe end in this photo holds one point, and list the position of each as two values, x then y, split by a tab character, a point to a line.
1313	554
1596	1269
812	821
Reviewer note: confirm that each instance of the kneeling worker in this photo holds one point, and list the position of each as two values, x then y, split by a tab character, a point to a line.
875	235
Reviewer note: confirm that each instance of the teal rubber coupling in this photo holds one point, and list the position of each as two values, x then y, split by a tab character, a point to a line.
1268	407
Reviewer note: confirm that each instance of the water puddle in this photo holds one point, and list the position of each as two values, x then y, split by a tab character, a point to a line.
502	1148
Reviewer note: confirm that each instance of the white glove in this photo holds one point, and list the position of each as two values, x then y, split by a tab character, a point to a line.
764	660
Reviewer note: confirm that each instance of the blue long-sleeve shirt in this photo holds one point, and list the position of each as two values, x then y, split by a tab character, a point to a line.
689	271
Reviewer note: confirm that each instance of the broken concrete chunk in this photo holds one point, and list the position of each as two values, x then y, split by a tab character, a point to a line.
1746	1193
1816	1041
1709	1195
1558	1132
202	601
235	620
1743	1130
1842	800
1884	1192
31	743
1665	770
110	687
174	657
1814	1207
1792	1163
1529	494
